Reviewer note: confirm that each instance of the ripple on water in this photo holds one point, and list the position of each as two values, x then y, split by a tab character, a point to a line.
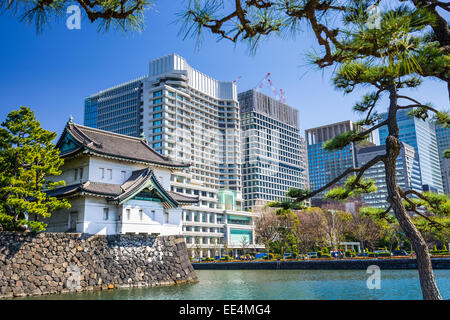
280	285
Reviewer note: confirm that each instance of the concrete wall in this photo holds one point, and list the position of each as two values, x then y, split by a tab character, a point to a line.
50	263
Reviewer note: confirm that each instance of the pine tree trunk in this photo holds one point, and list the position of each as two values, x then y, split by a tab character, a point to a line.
428	284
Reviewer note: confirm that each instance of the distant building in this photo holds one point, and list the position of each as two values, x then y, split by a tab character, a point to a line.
443	141
422	136
117	109
273	152
324	166
115	184
408	173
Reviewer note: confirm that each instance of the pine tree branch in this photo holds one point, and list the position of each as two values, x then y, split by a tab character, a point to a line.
360	171
414	207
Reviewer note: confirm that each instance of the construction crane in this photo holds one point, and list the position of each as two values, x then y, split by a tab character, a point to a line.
280	97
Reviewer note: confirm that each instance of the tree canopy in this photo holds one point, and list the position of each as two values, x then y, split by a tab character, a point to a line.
28	158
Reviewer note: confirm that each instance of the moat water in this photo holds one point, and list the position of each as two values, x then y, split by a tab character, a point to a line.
280	285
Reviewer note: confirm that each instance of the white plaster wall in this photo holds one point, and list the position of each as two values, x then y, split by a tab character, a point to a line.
95	163
151	222
59	220
93	218
68	173
163	176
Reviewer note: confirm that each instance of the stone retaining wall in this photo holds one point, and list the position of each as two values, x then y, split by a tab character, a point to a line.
48	263
345	264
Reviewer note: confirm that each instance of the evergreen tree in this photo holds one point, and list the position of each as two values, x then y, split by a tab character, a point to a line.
124	15
27	159
392	54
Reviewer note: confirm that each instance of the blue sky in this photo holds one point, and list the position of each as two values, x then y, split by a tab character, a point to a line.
52	72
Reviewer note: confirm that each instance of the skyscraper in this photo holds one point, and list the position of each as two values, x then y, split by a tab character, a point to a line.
443	141
324	166
116	109
422	136
273	152
193	118
408	173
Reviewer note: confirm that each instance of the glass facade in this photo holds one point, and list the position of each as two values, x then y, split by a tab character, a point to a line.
443	140
422	136
407	173
273	152
323	165
116	109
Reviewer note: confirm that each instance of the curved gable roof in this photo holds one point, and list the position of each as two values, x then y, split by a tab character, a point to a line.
115	145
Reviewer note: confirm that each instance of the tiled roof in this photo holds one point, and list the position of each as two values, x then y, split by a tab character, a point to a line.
119	193
116	145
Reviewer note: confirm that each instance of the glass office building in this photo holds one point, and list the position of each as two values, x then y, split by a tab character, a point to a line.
273	152
116	109
422	136
324	166
443	141
408	173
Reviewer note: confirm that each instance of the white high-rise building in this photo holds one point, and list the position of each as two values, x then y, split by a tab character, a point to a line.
189	117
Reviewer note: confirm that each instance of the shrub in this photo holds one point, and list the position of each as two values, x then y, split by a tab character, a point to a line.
350	254
270	256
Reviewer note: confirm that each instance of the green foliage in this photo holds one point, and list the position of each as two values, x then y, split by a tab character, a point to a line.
376	213
124	15
352	187
438	204
344	139
447	153
27	158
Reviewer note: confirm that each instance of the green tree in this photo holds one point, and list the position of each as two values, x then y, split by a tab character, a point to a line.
27	159
124	15
393	56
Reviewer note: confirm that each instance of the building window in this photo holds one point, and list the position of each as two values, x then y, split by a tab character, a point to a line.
166	216
102	173
109	174
75	174
153	215
128	214
105	213
157	93
123	175
141	215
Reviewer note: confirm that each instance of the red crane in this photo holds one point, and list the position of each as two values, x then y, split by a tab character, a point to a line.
281	97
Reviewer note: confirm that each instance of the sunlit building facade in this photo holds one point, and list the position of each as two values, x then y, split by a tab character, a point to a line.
407	169
443	141
422	136
273	152
324	166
